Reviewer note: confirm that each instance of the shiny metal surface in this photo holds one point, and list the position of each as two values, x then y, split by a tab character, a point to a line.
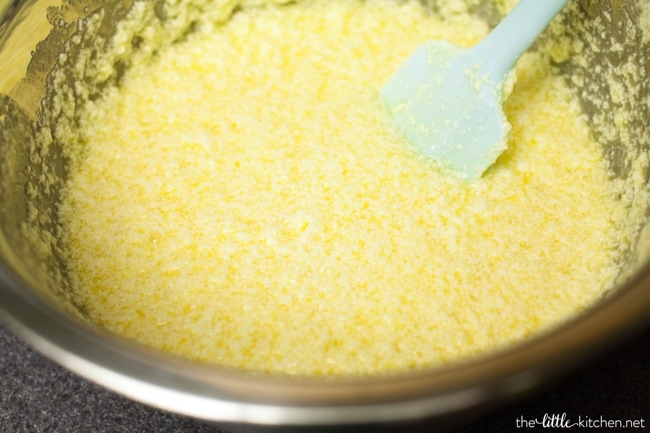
35	302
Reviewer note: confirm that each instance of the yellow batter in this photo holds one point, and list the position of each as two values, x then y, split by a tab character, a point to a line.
243	200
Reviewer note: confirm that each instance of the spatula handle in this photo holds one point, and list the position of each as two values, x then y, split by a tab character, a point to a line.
501	49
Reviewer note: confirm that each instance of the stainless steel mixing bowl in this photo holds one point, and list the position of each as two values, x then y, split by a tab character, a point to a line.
609	70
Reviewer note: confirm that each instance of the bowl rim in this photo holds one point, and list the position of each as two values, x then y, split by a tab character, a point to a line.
222	394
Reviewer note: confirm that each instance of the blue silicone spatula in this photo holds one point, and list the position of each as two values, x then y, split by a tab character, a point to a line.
448	101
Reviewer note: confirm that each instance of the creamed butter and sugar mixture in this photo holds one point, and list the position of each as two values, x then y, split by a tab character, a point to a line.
242	199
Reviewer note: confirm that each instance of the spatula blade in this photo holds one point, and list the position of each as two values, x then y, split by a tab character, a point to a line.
450	110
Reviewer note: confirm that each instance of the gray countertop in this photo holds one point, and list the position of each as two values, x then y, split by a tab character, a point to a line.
37	395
